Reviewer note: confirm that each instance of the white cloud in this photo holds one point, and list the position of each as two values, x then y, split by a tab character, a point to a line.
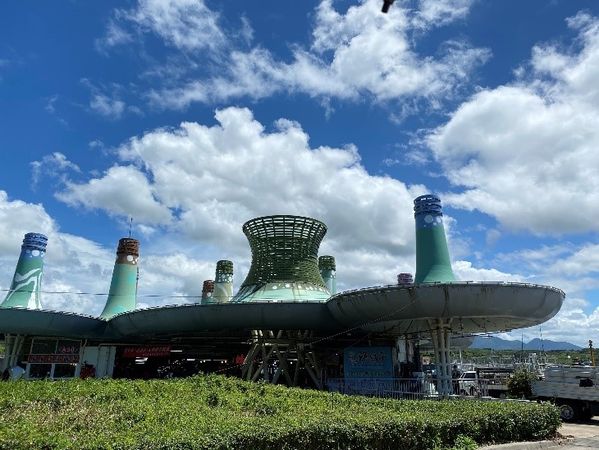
571	324
114	35
525	153
175	273
582	262
466	272
188	25
122	191
432	13
214	178
359	54
54	165
107	106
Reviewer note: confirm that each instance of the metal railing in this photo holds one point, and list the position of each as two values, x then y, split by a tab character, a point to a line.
414	388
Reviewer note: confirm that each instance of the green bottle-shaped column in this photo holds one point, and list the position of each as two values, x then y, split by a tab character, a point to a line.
223	282
122	296
27	282
432	257
328	272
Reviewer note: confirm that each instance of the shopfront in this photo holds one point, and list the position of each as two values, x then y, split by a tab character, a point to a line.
51	358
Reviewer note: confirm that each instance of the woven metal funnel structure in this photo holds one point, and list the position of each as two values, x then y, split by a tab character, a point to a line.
26	284
284	260
122	296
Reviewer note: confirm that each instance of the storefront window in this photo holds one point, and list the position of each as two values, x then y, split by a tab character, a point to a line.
64	370
39	371
43	347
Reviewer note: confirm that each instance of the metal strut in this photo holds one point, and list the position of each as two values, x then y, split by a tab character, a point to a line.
283	353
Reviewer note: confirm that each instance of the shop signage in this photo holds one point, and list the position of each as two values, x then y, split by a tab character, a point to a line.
146	351
53	359
368	362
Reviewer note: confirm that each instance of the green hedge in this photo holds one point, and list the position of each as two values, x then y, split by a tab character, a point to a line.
215	412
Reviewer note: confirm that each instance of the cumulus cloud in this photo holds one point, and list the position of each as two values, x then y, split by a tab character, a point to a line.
357	54
573	323
525	153
123	190
465	271
211	179
582	262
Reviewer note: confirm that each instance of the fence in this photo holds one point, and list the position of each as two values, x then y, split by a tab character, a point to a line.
413	388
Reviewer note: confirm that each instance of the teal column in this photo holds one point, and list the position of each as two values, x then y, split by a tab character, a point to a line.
223	282
122	296
432	257
27	282
328	272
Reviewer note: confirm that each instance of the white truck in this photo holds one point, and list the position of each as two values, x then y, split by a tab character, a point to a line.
484	381
575	389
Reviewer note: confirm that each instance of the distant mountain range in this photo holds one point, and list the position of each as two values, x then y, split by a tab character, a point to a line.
537	344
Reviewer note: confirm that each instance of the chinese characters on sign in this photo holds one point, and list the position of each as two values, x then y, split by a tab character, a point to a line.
368	362
147	351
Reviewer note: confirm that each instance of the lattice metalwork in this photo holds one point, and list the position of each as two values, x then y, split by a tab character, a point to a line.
327	262
128	246
128	251
284	248
224	266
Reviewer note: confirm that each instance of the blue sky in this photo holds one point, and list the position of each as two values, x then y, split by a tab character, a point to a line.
195	116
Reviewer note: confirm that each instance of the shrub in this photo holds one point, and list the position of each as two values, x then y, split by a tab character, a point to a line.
520	384
212	412
464	443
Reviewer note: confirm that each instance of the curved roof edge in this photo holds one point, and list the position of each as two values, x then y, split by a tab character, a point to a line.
339	312
50	323
450	283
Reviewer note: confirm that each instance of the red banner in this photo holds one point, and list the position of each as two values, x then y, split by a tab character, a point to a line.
146	351
53	359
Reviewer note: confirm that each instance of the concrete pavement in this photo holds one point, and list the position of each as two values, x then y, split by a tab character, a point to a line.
575	436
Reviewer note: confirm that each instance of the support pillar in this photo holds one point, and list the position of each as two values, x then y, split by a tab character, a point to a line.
7	351
441	343
13	346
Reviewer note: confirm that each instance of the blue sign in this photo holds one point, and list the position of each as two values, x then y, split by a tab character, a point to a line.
368	362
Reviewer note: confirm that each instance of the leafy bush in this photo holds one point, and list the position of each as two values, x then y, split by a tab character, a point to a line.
215	412
520	384
464	443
